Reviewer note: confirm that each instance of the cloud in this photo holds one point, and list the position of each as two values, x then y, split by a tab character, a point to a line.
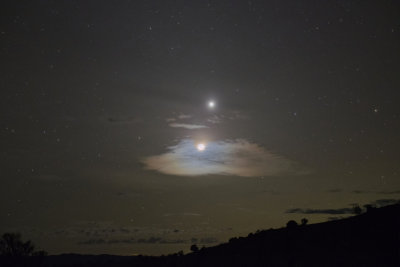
237	157
187	126
335	190
179	117
205	240
361	192
385	202
208	240
184	116
92	242
376	192
389	192
321	211
170	119
122	241
377	203
182	214
150	240
173	241
214	119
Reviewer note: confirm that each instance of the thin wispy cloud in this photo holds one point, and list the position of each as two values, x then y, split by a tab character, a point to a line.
237	157
181	214
322	211
385	202
377	203
187	126
389	192
214	119
184	116
150	240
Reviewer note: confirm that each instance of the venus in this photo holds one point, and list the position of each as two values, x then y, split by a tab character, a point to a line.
211	104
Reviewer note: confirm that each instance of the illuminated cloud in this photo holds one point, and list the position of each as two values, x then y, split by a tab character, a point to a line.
184	116
214	119
237	157
187	126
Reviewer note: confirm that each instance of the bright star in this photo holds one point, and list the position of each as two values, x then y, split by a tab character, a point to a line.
211	104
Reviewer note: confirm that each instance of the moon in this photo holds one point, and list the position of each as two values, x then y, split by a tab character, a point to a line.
200	147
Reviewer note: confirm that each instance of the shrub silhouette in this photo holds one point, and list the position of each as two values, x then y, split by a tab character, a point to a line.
194	248
304	221
369	207
357	210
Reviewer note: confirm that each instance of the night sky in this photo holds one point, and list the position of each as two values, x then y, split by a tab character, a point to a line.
109	143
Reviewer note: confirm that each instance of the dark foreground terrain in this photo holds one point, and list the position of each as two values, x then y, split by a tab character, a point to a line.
369	239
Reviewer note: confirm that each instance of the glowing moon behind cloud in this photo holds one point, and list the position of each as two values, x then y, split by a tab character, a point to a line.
201	147
228	157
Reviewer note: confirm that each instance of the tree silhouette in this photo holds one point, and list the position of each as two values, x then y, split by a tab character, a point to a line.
15	252
304	221
12	245
291	224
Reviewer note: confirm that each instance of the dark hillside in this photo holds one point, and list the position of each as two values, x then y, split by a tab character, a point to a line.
369	239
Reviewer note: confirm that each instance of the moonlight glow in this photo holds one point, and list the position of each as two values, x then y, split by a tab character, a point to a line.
211	104
200	147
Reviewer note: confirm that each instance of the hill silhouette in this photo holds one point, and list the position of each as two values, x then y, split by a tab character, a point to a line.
368	239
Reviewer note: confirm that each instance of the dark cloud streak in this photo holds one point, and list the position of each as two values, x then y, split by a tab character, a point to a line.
321	211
